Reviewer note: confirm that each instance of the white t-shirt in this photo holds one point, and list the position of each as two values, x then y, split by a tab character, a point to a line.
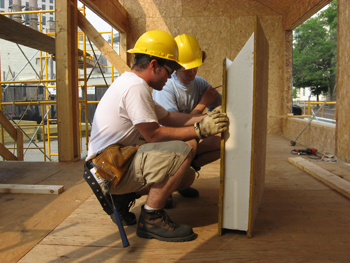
127	102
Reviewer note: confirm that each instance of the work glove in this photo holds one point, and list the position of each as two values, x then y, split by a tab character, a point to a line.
218	109
211	124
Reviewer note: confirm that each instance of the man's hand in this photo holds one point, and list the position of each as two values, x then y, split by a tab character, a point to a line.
211	124
218	109
209	96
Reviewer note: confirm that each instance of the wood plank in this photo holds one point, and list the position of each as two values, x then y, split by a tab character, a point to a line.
30	189
302	10
17	136
111	11
67	81
335	169
222	152
15	32
102	44
4	152
330	179
4	122
259	120
19	142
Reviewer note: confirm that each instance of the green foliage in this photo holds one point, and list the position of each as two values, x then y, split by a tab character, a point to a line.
314	52
295	94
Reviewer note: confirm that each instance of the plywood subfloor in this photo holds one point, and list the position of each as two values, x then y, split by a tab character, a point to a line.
25	219
300	220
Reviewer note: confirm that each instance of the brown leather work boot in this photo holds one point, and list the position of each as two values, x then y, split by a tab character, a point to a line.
157	224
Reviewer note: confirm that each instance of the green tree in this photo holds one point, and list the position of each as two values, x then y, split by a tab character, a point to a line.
315	51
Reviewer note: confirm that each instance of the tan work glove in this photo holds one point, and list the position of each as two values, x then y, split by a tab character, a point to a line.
218	109
211	124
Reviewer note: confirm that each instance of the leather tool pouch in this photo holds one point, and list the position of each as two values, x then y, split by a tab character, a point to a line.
114	161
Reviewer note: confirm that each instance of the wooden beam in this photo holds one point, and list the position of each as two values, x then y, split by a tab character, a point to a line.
15	32
302	10
330	179
102	44
30	189
342	135
67	80
4	152
16	135
7	125
111	11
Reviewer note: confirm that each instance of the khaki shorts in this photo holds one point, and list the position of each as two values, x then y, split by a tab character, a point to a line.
153	163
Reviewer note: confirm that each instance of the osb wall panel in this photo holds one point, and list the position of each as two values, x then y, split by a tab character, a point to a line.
221	28
320	137
343	80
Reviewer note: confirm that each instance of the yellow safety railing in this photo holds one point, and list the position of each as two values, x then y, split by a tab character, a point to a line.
45	105
313	103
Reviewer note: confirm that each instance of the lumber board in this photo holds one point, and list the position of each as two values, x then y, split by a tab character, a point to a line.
335	169
67	81
111	11
4	122
259	122
30	189
330	179
102	44
15	32
4	152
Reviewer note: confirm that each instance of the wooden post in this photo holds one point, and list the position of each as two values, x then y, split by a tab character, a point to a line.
342	135
67	80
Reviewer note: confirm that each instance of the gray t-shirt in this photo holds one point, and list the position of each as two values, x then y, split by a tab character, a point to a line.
180	97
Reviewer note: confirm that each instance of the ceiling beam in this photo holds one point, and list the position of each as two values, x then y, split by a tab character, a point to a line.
302	10
111	11
15	32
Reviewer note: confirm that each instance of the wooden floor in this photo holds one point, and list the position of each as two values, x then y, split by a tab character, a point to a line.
300	219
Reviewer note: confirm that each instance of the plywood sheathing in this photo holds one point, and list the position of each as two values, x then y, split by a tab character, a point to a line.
316	135
300	11
343	80
280	7
221	28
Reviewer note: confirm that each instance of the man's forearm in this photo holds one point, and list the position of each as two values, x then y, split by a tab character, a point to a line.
178	119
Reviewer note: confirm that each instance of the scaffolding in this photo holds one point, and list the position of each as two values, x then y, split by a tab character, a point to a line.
48	123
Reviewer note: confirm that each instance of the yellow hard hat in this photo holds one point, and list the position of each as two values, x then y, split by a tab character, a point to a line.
190	54
157	43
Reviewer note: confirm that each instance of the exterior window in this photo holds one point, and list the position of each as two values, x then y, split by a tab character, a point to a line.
2	4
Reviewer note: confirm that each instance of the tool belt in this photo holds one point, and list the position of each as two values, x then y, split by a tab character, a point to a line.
104	200
113	162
